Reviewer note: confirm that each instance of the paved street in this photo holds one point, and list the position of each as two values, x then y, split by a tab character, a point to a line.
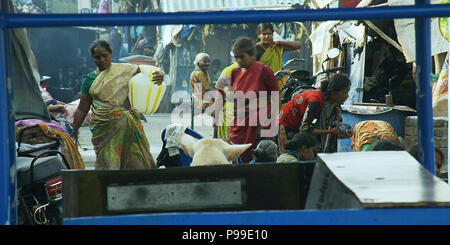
153	128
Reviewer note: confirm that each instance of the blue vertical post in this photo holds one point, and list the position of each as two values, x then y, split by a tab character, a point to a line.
8	200
423	91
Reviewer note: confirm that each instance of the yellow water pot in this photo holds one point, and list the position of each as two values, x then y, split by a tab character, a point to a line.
145	96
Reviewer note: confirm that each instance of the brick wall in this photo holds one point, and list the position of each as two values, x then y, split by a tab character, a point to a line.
440	125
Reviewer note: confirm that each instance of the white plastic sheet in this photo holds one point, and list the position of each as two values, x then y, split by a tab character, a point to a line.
356	76
406	33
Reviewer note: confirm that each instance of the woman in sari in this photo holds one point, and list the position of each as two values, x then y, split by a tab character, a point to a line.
316	112
227	110
249	76
117	133
300	148
270	52
363	133
200	81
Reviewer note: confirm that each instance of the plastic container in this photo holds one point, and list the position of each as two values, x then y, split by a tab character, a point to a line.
354	114
185	160
144	95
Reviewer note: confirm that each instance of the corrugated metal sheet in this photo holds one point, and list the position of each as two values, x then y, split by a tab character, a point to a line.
202	5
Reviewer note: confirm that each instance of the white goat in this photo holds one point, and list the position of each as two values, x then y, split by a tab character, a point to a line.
209	151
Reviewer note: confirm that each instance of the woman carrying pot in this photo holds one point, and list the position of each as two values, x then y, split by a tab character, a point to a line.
117	134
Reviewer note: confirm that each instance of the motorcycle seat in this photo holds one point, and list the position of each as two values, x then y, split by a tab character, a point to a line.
43	168
32	150
300	74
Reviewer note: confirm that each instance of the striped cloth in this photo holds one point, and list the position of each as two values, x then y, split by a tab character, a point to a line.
68	147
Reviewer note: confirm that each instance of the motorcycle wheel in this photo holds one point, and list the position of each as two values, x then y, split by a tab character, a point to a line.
55	213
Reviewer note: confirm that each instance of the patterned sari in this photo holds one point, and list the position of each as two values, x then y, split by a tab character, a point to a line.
68	147
117	134
365	130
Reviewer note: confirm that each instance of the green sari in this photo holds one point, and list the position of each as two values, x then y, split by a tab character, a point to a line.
273	58
117	134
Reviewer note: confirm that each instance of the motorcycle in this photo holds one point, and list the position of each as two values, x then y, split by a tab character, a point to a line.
39	180
290	79
300	81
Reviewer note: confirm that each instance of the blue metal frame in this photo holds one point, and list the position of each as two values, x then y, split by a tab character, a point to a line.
425	216
219	17
423	91
8	202
422	11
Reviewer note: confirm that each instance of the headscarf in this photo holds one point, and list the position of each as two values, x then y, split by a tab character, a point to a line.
198	58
